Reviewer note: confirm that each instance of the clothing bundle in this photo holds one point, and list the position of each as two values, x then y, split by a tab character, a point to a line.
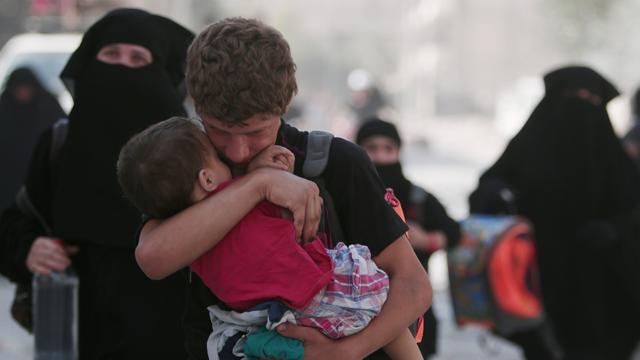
353	296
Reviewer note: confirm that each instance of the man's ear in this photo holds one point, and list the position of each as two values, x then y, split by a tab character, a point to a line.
207	180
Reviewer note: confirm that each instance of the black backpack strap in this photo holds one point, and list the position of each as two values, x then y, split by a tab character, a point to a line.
26	207
23	201
22	308
317	154
315	162
417	197
58	137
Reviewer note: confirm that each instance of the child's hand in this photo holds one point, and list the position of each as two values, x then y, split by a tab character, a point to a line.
274	156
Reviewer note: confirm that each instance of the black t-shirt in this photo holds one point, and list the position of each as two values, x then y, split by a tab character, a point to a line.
358	197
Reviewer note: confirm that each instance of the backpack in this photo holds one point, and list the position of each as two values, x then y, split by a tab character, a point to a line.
21	307
493	275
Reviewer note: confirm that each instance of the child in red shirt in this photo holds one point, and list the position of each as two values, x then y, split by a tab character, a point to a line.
259	259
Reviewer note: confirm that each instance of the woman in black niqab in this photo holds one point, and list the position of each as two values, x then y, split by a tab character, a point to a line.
574	181
122	313
431	228
26	110
112	103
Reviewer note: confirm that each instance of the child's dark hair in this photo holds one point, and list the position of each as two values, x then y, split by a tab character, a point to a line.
158	168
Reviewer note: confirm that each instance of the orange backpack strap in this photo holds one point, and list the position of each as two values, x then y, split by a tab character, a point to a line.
420	330
392	200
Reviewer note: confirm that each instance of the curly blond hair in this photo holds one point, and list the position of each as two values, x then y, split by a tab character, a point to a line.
238	68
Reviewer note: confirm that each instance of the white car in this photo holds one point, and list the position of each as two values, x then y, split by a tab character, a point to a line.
46	55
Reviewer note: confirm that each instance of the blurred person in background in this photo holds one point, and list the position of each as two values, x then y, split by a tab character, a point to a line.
27	109
125	75
366	101
631	140
572	178
430	227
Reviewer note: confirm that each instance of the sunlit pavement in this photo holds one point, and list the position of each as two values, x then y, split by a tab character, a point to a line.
15	343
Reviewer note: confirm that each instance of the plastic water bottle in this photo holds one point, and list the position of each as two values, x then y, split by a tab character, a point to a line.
55	309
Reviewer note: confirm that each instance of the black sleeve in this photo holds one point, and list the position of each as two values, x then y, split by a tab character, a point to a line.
195	318
358	196
17	230
435	218
17	233
485	199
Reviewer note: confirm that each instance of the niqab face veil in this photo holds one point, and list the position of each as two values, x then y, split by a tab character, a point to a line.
111	104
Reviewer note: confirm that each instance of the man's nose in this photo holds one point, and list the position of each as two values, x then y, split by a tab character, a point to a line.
237	151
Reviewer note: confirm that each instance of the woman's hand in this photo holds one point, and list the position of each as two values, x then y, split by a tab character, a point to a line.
429	241
49	254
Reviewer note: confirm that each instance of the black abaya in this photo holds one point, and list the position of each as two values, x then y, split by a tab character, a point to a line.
574	181
122	313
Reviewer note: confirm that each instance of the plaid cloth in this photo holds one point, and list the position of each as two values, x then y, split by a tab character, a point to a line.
352	298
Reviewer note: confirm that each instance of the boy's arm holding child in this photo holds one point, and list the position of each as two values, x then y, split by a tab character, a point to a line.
403	347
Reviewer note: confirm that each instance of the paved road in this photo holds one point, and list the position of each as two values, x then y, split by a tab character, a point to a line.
15	343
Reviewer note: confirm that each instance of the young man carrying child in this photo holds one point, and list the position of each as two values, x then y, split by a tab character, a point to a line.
337	291
241	76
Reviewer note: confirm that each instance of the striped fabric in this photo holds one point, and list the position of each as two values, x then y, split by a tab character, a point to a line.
352	298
